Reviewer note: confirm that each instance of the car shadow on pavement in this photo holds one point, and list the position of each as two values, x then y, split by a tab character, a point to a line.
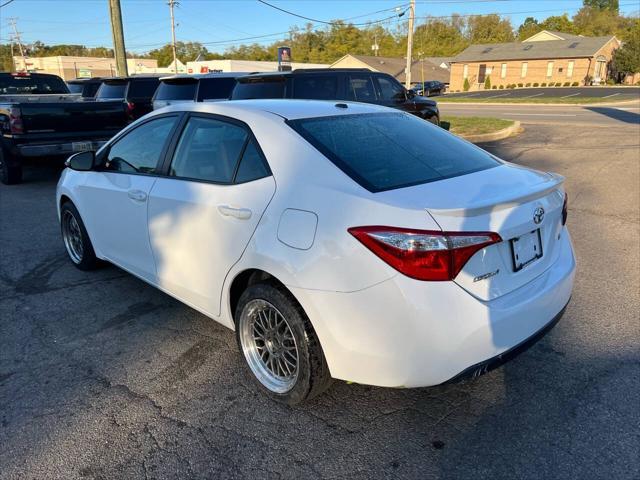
617	114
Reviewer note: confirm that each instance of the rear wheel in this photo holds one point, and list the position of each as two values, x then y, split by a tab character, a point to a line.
75	238
279	344
10	172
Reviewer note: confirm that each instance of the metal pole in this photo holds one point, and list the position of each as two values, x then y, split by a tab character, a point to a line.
118	38
17	37
412	14
173	36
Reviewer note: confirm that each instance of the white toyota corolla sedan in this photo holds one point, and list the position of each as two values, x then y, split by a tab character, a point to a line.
339	240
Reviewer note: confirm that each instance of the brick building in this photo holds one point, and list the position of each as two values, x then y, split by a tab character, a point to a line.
429	68
546	57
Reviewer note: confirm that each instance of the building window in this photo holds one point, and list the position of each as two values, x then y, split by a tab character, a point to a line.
523	73
503	71
549	69
465	71
570	68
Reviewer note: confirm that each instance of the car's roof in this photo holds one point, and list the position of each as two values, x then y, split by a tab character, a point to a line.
198	76
286	108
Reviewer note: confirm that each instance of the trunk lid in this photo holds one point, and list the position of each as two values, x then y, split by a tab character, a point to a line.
503	200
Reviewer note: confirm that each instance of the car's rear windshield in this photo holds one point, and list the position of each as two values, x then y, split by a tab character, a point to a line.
143	88
112	90
27	84
216	88
177	89
262	88
385	151
75	87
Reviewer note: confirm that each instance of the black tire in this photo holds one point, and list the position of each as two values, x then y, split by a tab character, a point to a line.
313	375
10	173
86	260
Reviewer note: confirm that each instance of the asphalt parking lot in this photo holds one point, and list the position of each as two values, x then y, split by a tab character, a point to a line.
103	376
616	94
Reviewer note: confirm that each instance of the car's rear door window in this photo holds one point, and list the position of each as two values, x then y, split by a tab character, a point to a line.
266	87
316	87
360	88
384	151
112	90
208	150
143	88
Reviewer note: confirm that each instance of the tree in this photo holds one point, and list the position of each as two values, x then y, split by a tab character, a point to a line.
487	83
611	5
489	29
440	38
626	59
465	85
185	51
559	23
529	28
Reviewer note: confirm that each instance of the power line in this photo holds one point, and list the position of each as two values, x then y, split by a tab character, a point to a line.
6	3
315	20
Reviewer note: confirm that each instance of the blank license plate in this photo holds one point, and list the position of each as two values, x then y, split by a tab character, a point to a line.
82	146
526	249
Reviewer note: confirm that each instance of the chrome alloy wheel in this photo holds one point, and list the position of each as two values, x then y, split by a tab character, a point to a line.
72	236
269	346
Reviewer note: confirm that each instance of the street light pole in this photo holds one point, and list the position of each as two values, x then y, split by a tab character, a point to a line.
118	38
412	14
171	4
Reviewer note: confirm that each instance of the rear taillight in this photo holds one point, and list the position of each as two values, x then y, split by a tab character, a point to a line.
422	254
129	107
565	209
15	120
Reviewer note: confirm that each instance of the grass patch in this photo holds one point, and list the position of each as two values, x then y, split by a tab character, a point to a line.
475	125
541	100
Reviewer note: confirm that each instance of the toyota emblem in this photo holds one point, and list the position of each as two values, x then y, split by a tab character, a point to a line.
538	215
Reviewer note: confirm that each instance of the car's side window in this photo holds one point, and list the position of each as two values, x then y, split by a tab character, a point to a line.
252	166
208	150
361	88
139	150
320	87
390	90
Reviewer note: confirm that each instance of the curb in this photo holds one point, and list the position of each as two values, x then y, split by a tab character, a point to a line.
515	104
493	136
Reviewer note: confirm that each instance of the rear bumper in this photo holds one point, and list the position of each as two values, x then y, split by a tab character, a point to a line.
407	333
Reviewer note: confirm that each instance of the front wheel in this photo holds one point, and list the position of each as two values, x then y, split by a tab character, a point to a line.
279	344
75	238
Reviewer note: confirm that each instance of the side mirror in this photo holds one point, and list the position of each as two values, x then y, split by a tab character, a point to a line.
411	94
83	161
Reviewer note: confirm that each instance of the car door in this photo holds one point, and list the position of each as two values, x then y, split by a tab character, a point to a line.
392	94
203	212
114	198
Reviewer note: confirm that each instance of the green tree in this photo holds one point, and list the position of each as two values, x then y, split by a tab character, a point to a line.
559	23
611	5
466	85
529	28
440	38
489	29
185	51
487	83
626	59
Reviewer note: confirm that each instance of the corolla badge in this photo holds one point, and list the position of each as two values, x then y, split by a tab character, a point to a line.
538	215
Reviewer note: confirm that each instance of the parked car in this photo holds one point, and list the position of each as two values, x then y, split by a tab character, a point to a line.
339	240
361	85
135	92
207	87
40	118
430	88
86	88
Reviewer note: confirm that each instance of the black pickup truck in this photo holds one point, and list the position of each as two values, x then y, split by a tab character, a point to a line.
40	118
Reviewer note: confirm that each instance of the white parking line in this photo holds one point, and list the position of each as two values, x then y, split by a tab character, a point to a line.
531	96
612	95
496	96
572	95
545	114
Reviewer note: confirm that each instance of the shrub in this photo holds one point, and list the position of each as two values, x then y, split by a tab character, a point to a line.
493	87
512	86
527	84
520	85
536	84
501	87
543	84
558	84
575	84
611	81
487	82
566	84
466	85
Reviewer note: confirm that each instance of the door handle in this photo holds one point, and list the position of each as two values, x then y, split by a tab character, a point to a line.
239	213
137	195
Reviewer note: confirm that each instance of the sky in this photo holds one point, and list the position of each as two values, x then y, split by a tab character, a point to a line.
222	23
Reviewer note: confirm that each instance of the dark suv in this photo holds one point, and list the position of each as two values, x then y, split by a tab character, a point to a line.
360	85
136	92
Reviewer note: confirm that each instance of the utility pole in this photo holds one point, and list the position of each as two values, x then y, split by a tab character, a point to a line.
16	35
118	38
171	4
412	14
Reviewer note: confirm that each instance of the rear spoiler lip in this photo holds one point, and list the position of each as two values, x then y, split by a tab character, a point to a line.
504	200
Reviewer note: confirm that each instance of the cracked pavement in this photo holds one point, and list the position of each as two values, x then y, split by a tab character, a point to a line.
103	376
